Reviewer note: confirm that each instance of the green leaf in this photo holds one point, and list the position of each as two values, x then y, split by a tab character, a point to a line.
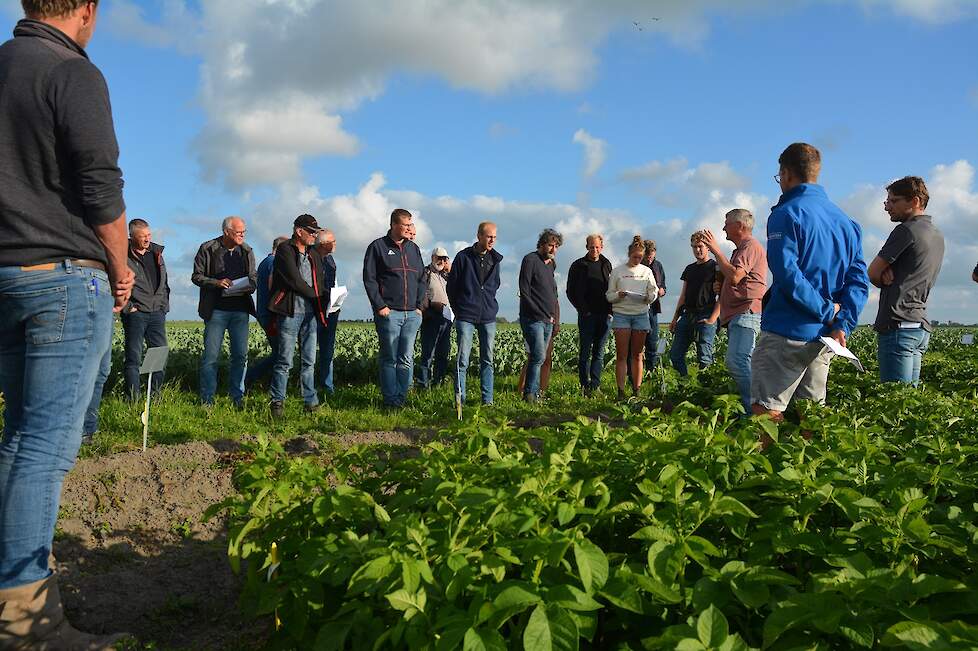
690	644
915	636
859	633
483	640
381	514
711	627
565	513
571	598
410	576
592	565
536	635
751	593
727	505
515	596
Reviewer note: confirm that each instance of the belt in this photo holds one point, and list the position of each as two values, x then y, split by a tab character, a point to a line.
51	266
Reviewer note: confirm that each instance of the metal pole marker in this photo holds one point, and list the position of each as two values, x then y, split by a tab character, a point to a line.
154	361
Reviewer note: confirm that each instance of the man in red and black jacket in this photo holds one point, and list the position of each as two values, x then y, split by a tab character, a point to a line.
392	269
299	300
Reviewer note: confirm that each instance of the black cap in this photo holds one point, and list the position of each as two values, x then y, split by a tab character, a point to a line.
307	222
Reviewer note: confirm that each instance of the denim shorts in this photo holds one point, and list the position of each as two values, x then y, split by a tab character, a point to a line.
631	321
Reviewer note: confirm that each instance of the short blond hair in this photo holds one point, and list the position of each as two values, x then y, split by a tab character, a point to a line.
697	237
483	226
595	236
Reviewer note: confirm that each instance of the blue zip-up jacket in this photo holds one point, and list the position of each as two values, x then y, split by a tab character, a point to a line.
264	289
392	275
815	253
471	300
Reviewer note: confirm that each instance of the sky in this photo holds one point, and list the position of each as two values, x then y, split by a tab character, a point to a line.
623	117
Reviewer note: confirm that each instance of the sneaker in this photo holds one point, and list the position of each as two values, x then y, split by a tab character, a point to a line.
277	409
621	395
89	438
238	405
587	391
311	409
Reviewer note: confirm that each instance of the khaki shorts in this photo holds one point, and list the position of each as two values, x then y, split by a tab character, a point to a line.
782	369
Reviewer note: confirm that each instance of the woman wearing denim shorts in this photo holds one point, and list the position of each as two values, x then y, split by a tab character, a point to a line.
631	289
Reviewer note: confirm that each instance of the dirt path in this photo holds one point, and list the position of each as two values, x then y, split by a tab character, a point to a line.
134	555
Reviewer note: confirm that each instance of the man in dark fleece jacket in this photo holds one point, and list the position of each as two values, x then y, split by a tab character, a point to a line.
538	305
62	273
587	283
299	299
472	285
392	269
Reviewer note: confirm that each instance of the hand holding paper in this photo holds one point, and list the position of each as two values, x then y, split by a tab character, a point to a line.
842	351
238	286
336	297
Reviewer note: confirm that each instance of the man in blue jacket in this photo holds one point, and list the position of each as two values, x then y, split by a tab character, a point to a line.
814	252
392	269
472	285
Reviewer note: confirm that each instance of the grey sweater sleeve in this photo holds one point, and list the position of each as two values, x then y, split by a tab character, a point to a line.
83	116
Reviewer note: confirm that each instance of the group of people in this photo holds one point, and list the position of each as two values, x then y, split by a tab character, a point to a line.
59	175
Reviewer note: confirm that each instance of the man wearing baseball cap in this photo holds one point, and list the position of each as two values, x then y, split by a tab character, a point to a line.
436	322
299	299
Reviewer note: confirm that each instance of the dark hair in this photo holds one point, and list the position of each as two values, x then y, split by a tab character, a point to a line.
649	246
398	215
550	235
637	243
279	241
909	187
51	8
802	160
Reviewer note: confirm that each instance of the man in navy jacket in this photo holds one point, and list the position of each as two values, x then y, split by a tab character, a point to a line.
472	285
392	269
814	252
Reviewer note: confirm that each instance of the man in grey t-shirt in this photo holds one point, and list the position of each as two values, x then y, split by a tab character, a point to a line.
905	271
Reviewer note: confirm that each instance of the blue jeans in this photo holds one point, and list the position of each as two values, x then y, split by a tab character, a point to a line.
436	343
55	327
742	331
652	341
91	413
263	368
396	332
327	349
487	368
900	353
301	327
537	336
593	331
688	331
236	325
139	327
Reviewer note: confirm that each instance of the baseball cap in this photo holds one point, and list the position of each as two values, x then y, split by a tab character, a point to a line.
307	222
440	252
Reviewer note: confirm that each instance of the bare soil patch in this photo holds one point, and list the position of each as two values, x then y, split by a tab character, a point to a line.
134	555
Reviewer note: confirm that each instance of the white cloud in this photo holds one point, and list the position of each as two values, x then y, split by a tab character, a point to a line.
595	151
928	11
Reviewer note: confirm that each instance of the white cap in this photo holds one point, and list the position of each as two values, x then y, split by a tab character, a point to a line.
439	252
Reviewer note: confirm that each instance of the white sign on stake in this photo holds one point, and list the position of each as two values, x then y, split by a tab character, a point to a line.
967	340
153	362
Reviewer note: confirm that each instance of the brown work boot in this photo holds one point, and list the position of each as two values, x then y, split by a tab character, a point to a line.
31	619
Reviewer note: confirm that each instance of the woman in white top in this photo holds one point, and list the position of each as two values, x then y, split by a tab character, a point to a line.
631	289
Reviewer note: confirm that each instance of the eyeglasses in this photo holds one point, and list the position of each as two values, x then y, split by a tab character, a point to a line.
234	232
893	200
777	179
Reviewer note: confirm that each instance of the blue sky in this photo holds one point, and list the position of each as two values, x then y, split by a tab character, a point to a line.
536	113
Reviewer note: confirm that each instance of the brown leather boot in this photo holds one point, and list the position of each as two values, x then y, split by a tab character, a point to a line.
31	618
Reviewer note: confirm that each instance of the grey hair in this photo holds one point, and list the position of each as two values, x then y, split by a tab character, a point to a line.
549	234
595	236
321	235
743	216
226	224
279	241
135	224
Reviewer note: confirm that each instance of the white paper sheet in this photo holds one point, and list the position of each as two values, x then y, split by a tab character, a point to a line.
842	351
447	313
238	286
336	297
634	296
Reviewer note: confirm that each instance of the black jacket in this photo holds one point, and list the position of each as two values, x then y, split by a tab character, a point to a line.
472	301
145	297
586	295
660	281
538	289
287	281
59	170
392	275
209	270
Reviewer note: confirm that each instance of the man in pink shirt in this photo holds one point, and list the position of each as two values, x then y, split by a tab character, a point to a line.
743	286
